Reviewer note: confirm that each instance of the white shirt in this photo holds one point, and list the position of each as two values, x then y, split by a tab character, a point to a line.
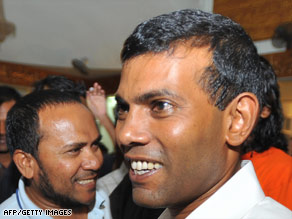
111	180
240	197
21	201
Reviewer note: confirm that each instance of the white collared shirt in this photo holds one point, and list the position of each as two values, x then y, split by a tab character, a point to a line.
21	201
240	197
110	181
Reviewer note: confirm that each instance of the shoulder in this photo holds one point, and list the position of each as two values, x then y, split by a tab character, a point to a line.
8	205
102	205
274	158
269	208
279	154
278	161
101	195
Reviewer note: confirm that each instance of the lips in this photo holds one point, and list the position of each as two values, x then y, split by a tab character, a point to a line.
86	180
2	139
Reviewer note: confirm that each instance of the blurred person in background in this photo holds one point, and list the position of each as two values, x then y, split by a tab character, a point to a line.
267	146
9	174
8	97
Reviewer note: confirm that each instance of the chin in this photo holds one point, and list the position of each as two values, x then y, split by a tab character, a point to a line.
3	148
89	200
148	200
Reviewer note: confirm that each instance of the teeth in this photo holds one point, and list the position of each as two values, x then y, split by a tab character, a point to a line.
139	165
142	167
83	182
134	165
150	166
157	166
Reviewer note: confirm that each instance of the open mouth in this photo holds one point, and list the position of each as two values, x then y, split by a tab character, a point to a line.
142	167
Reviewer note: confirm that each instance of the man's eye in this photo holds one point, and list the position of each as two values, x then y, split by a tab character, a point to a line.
121	110
99	145
74	151
162	107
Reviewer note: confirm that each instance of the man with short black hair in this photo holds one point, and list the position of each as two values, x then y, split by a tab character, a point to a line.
190	93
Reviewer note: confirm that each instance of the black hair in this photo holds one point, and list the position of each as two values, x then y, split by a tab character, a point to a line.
22	123
61	83
267	131
8	93
236	64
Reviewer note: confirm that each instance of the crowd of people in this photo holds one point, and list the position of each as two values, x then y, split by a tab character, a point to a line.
197	132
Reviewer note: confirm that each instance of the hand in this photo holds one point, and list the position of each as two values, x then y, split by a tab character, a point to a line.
96	101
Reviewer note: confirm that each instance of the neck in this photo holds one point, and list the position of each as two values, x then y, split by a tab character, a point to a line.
44	203
181	212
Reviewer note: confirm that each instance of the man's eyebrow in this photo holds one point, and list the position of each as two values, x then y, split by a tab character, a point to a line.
155	93
74	145
81	144
149	95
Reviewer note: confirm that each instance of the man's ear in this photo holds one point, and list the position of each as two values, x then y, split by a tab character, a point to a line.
243	112
25	163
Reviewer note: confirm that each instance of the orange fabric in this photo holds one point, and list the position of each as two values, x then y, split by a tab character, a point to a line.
274	171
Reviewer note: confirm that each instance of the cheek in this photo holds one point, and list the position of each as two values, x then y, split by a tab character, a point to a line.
177	140
62	165
170	128
62	168
177	130
175	133
185	143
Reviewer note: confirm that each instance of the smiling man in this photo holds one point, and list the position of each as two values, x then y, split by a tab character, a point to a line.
55	145
189	96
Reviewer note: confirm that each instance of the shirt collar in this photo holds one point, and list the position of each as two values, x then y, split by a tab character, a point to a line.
26	203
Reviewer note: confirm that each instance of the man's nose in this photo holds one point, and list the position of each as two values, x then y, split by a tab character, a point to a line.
133	130
92	159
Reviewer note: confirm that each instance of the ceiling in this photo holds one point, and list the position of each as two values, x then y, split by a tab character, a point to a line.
53	32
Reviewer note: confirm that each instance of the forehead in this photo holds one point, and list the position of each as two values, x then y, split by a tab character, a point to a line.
5	107
179	70
63	119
